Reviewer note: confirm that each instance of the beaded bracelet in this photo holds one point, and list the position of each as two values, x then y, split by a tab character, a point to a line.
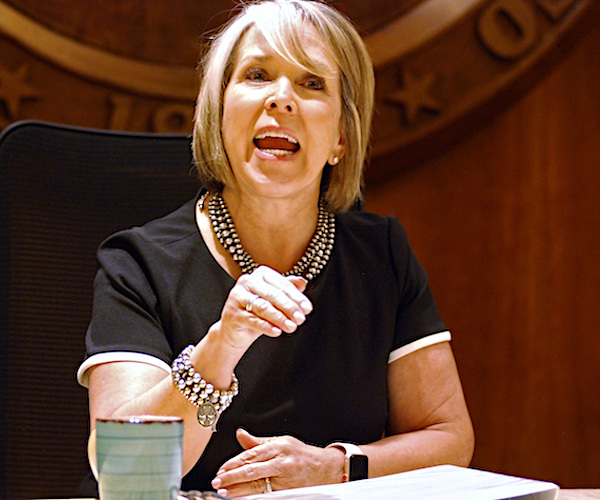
210	402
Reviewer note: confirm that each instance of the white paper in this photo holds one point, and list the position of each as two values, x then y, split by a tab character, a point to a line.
443	481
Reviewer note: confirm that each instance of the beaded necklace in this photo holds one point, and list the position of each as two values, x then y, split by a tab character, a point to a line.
310	264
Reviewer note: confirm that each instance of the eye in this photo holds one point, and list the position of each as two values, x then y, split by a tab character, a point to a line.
256	75
314	83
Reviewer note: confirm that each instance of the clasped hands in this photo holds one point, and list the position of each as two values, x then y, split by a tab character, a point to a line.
286	461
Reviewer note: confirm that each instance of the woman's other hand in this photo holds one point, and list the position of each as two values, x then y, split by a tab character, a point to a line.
286	461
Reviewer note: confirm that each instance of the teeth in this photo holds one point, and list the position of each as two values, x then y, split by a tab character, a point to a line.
281	135
278	152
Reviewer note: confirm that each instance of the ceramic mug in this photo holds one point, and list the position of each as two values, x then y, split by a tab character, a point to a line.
139	458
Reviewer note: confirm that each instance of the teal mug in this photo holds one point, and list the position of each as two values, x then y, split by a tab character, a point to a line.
139	458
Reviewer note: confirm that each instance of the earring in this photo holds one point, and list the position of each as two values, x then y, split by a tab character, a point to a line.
335	160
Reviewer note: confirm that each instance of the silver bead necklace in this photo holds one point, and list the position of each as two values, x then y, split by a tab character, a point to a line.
311	263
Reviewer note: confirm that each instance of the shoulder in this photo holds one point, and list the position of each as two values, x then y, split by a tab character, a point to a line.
170	229
376	242
168	238
361	218
370	225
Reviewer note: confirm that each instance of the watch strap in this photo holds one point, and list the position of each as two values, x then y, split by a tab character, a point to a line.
349	449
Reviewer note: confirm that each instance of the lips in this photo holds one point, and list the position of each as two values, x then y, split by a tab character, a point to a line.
276	143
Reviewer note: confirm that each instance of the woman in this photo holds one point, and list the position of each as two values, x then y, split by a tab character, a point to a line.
326	320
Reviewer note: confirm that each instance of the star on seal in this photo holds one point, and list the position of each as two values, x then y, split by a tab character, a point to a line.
14	88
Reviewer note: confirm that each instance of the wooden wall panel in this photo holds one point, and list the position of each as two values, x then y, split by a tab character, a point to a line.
508	225
506	222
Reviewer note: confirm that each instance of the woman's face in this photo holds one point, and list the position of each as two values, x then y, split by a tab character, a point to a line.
281	124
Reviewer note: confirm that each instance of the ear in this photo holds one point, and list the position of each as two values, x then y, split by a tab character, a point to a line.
338	152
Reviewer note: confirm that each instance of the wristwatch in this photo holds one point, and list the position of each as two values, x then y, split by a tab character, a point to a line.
356	463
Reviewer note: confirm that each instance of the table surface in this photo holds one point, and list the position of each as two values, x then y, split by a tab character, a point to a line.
582	494
578	494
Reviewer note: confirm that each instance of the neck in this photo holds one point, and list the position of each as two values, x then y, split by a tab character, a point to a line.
276	232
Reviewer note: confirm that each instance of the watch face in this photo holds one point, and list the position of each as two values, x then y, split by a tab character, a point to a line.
359	467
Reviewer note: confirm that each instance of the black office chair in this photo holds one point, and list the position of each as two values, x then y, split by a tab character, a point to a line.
63	190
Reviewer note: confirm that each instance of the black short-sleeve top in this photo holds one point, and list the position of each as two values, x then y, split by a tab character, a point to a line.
158	289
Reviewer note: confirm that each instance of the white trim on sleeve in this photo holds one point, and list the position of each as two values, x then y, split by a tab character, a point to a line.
405	350
110	357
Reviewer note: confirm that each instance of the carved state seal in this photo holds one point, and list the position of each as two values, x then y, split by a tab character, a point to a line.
437	63
448	64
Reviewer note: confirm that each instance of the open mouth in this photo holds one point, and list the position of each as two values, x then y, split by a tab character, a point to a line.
276	143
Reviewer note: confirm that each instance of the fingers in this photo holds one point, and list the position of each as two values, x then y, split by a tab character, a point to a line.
247	473
275	299
253	452
266	310
275	284
285	460
262	303
255	487
299	282
247	440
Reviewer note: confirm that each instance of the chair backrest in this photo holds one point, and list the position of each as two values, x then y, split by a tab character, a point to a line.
62	191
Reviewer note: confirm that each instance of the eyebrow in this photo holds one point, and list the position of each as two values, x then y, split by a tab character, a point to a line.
254	57
321	69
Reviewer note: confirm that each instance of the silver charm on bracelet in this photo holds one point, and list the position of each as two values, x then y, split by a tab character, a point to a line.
210	402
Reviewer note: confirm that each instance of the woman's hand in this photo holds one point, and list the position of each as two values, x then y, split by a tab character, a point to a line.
286	461
262	303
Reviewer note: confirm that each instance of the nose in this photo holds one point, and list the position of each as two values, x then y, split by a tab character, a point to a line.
283	98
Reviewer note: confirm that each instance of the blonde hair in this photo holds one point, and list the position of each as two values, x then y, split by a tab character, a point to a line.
281	23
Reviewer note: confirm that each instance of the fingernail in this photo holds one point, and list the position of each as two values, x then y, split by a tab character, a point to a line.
223	492
290	326
299	317
216	483
306	306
